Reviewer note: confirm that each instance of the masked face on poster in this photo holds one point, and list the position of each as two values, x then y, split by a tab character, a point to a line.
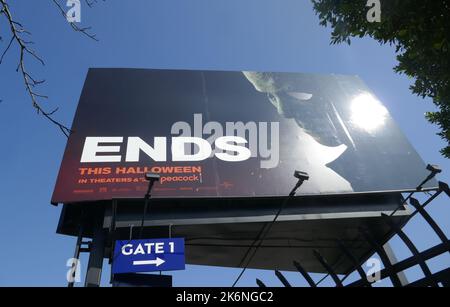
298	97
320	131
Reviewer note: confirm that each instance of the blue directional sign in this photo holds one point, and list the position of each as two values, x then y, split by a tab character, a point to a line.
148	255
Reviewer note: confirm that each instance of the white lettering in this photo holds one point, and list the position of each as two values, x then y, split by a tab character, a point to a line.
136	145
241	142
373	274
92	147
74	12
242	153
374	13
127	249
178	149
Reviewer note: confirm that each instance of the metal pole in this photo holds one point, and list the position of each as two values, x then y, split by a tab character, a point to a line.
112	236
147	197
151	178
393	259
95	265
76	255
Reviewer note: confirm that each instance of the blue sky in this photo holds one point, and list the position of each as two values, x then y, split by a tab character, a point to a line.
266	35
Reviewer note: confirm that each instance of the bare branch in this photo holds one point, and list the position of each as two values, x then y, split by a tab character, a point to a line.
74	26
6	50
17	30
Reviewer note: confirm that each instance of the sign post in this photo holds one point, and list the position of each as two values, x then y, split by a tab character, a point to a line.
148	255
95	265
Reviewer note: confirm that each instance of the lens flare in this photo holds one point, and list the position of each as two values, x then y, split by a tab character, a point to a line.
367	112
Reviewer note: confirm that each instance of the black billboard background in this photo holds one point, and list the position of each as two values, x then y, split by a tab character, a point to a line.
145	103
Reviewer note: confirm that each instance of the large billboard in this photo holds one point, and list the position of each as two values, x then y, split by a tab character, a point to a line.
231	134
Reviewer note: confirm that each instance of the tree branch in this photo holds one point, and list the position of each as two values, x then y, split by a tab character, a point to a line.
17	30
74	26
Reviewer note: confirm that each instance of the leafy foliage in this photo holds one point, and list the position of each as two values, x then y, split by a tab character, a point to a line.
420	32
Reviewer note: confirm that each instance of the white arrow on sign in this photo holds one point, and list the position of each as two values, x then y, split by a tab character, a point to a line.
158	261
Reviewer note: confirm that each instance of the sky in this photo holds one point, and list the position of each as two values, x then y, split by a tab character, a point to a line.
262	35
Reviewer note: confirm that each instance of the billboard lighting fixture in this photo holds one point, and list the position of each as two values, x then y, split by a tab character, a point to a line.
151	178
435	169
301	175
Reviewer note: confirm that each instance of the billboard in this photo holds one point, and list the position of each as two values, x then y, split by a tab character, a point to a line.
231	134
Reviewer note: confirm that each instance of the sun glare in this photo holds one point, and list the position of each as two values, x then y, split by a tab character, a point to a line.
367	112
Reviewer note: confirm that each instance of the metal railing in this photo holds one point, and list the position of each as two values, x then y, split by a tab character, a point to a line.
391	270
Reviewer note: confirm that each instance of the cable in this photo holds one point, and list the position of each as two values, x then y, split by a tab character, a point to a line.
152	178
261	232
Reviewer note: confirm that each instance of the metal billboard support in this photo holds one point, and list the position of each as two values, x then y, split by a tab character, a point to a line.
97	251
103	241
393	269
103	238
76	257
393	259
